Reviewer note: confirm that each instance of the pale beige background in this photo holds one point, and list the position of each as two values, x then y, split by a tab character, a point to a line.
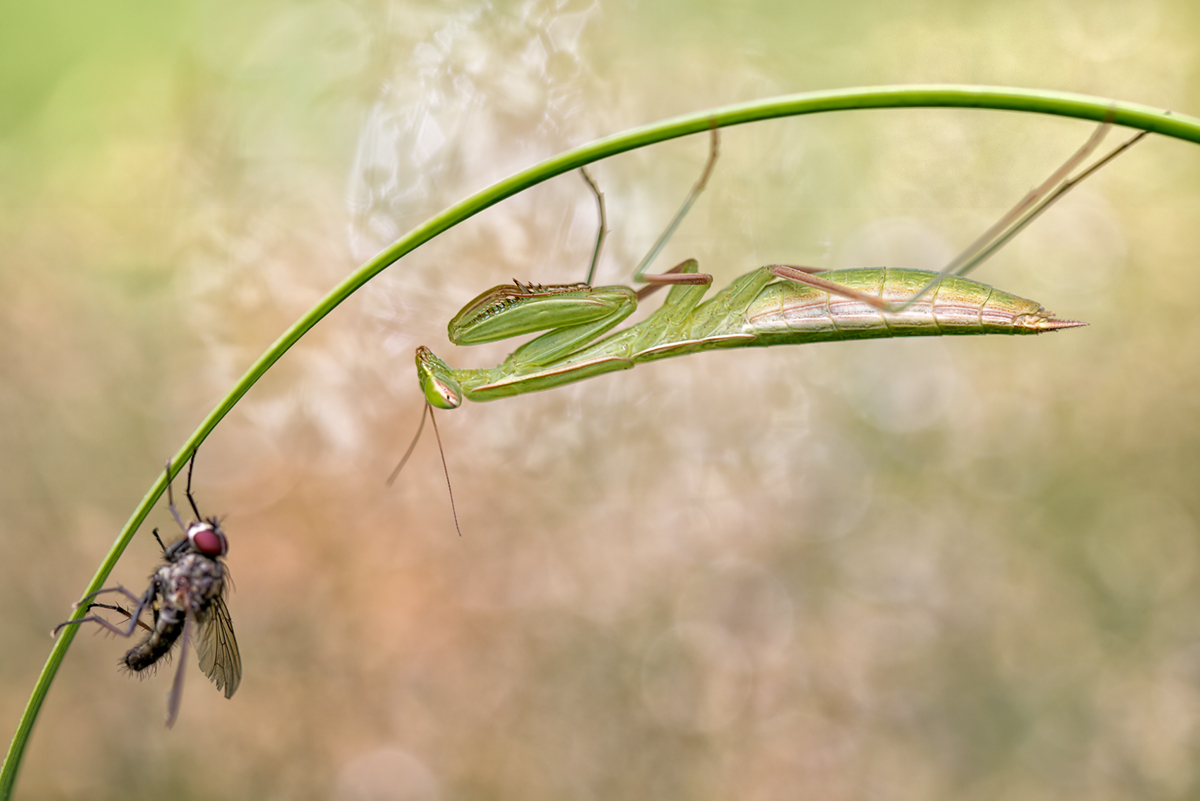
889	570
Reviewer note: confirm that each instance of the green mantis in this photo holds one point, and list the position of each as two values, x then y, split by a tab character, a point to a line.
772	305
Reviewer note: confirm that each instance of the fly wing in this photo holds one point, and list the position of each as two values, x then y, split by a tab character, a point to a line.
176	694
218	649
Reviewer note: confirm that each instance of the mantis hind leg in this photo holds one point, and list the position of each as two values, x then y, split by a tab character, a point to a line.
687	267
677	275
603	232
992	240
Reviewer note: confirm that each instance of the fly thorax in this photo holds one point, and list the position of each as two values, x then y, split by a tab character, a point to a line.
195	581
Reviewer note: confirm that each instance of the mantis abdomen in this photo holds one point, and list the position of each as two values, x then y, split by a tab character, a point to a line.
787	312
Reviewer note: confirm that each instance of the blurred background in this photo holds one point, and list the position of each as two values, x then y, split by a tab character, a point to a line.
924	569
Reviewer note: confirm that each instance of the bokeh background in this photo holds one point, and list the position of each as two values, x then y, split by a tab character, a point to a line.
964	569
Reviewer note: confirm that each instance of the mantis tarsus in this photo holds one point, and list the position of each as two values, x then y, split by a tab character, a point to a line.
772	305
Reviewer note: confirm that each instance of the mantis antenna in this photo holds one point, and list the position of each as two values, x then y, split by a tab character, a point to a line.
428	410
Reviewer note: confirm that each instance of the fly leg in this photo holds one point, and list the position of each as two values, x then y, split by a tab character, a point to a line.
122	610
171	553
171	494
171	499
188	492
134	616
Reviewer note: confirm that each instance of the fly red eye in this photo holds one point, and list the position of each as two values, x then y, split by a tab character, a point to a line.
208	540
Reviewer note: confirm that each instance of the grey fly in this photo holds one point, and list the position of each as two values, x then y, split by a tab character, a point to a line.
186	601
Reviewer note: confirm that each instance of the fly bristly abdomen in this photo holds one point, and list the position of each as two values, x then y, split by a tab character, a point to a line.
158	644
187	585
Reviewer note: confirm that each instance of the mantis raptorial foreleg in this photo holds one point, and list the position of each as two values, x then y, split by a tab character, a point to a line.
573	314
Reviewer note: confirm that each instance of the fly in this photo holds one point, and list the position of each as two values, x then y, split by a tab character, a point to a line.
186	601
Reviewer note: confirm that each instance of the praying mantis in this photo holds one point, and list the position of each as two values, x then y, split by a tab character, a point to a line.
772	305
777	304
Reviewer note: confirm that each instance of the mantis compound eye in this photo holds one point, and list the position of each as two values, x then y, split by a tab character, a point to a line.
443	394
440	390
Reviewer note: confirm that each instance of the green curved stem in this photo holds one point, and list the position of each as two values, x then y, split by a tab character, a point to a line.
1063	104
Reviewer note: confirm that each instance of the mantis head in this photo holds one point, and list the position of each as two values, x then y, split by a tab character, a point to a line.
440	389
